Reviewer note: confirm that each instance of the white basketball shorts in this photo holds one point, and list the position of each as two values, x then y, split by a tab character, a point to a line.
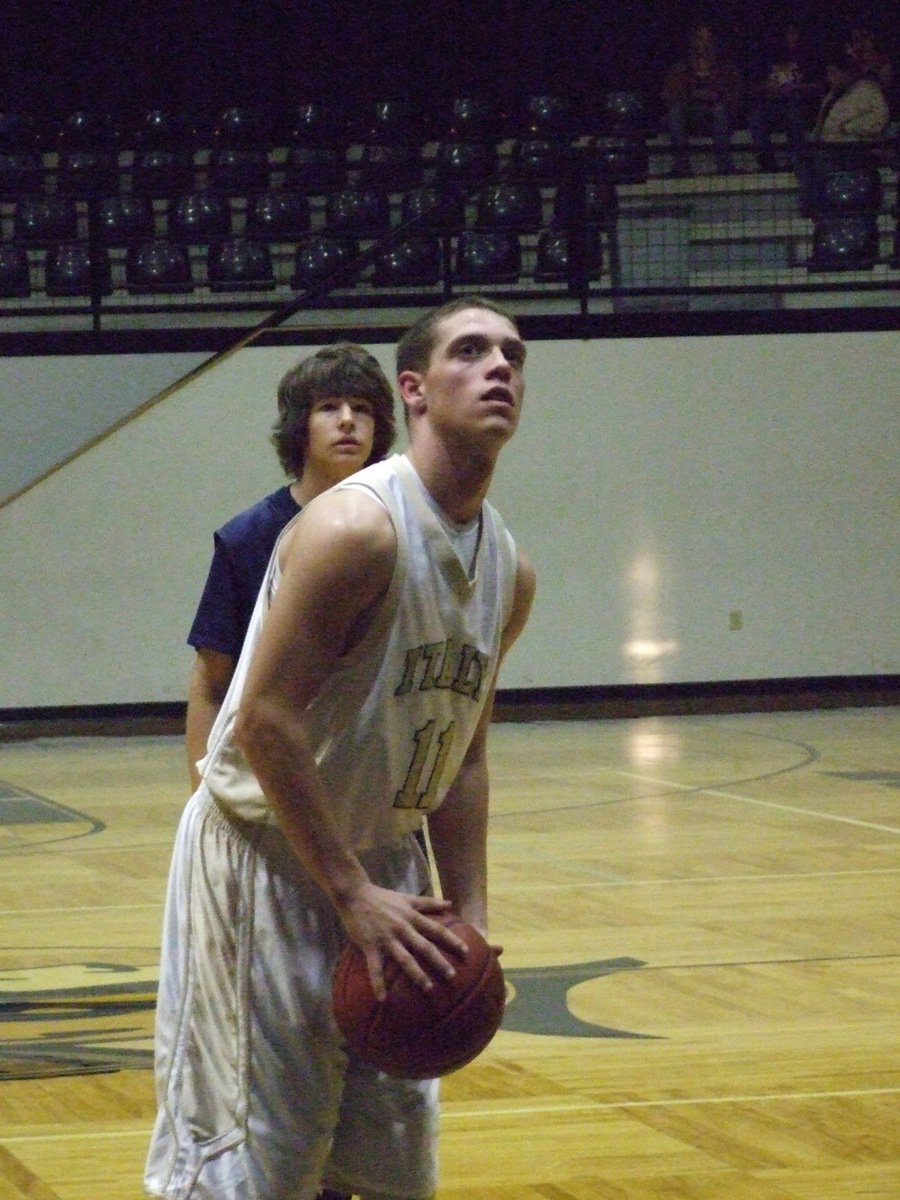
257	1098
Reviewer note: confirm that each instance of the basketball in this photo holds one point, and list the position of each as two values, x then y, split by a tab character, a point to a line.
413	1034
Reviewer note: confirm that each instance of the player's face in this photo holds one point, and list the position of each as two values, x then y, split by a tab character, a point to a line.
339	435
474	383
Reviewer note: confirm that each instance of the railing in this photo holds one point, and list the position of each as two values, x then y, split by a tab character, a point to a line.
593	223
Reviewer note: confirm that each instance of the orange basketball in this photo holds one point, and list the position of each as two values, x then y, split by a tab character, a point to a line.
414	1034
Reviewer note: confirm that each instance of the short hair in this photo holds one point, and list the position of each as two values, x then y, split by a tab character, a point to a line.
415	347
341	370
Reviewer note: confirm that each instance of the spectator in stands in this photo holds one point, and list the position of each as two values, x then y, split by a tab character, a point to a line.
852	118
782	95
854	109
868	58
335	415
702	91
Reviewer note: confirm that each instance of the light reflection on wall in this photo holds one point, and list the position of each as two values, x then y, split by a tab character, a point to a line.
647	645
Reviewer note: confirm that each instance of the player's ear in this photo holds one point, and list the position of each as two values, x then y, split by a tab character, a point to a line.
409	384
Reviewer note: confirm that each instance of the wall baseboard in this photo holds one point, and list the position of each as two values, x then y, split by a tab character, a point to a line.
683	699
515	704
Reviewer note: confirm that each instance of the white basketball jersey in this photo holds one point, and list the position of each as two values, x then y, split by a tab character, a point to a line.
391	725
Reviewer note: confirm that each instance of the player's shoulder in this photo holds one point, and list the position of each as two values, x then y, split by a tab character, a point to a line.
350	522
363	505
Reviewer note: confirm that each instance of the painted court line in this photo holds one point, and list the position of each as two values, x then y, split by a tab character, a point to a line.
681	1102
791	808
498	886
526	1110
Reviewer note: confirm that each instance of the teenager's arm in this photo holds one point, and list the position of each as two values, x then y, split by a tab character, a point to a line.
210	677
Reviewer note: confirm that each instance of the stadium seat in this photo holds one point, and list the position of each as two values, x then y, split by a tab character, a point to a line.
548	116
74	269
239	170
164	129
395	166
540	160
18	132
315	169
553	263
245	127
394	123
124	218
322	258
202	216
158	267
438	210
43	220
15	275
165	172
471	118
466	162
624	114
362	212
87	172
488	257
594	202
315	124
414	262
278	216
515	206
848	192
84	129
21	173
845	243
240	265
625	160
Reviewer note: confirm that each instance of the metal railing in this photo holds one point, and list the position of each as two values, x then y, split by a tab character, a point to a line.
597	224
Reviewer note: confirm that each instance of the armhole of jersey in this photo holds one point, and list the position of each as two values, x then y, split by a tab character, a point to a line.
273	571
509	561
510	575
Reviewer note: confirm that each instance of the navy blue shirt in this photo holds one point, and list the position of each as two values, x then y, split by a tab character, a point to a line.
242	548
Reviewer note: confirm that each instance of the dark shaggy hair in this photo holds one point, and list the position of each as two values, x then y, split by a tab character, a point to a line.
342	370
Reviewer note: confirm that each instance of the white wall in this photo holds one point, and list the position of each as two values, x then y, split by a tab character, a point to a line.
52	405
665	484
660	485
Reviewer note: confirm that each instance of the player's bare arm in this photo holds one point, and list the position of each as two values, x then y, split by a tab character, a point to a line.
458	828
337	560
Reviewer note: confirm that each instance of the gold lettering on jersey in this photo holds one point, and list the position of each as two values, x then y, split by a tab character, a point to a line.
426	767
443	665
470	672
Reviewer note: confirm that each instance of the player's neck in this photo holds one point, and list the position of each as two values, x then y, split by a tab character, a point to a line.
457	483
313	481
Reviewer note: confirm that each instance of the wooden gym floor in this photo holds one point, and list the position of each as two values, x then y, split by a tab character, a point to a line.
701	921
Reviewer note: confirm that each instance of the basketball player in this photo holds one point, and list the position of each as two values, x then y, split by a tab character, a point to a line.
335	415
361	701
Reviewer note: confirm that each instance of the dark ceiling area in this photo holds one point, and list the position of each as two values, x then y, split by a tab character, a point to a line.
58	56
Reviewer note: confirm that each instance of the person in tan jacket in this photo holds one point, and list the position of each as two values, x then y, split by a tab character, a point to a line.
852	117
854	108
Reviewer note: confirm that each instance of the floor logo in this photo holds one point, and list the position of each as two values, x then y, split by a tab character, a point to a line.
95	1017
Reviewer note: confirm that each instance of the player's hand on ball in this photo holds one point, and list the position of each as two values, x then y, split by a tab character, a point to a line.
412	1033
392	925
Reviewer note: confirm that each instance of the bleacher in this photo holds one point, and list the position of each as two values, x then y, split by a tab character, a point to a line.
102	226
